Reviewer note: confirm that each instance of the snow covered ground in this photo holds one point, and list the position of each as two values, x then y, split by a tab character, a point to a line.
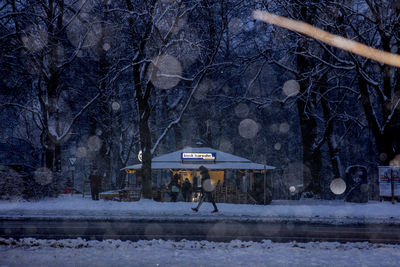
78	252
336	211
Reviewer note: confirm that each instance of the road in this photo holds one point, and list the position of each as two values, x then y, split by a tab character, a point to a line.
129	229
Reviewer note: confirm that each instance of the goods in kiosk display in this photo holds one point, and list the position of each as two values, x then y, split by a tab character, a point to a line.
385	178
396	180
175	189
389	182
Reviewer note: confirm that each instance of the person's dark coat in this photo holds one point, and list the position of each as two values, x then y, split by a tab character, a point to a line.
206	189
187	190
95	184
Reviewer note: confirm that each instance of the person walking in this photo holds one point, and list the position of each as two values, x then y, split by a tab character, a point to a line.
95	184
187	190
206	189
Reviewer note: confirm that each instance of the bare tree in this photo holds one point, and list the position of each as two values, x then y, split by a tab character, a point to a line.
39	31
159	37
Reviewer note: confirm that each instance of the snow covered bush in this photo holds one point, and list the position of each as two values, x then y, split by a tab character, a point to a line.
11	184
22	182
43	183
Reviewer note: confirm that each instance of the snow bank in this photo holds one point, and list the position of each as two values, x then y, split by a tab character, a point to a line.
78	252
303	210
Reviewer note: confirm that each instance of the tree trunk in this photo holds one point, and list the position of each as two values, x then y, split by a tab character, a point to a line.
311	156
142	97
145	141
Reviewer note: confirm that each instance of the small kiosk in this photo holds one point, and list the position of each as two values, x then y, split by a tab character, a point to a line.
237	179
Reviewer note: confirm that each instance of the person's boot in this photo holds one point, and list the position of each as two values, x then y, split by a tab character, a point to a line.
195	209
214	211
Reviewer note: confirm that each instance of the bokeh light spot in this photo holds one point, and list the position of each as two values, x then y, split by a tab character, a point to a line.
383	156
115	106
83	31
274	128
203	89
94	143
106	46
235	25
284	127
165	72
208	186
35	38
242	110
81	152
226	146
43	176
248	128
291	88
277	146
338	186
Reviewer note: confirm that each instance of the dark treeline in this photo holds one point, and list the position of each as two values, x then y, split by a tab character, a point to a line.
100	80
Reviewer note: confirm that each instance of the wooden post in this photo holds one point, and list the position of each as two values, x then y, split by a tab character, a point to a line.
265	185
392	184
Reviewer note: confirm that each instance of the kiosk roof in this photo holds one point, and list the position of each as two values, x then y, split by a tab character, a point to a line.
222	161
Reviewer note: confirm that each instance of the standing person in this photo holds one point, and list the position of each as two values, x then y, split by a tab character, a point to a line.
186	190
174	187
206	189
95	184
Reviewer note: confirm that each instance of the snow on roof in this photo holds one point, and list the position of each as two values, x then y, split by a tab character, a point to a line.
222	161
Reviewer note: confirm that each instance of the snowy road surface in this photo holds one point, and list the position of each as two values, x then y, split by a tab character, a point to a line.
336	211
225	231
78	252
